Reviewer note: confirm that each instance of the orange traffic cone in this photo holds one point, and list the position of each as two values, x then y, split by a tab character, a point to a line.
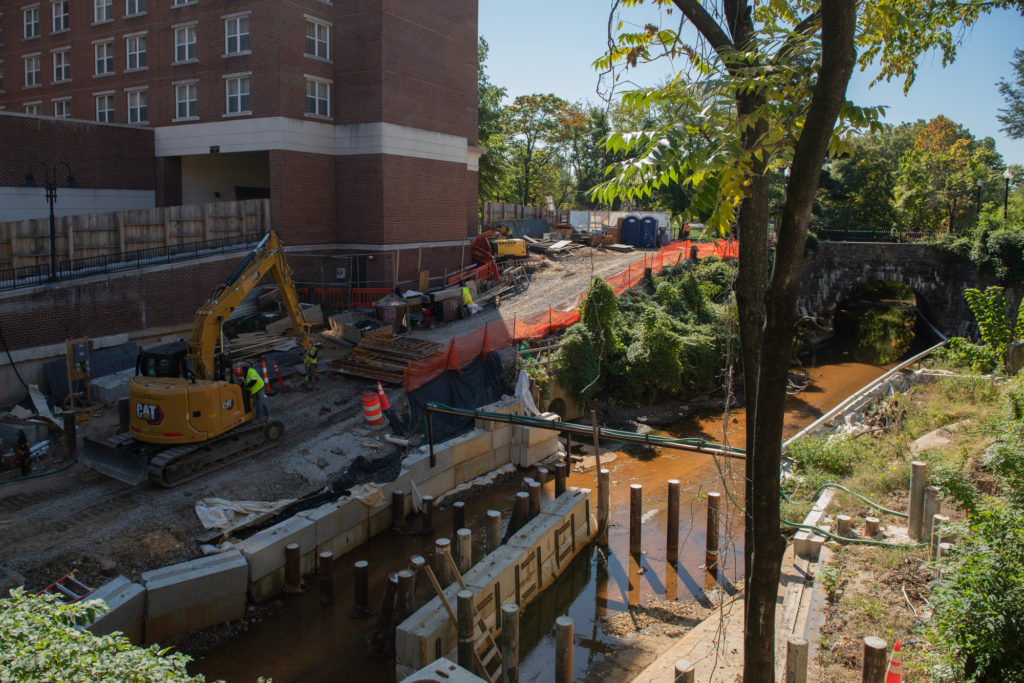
384	405
892	674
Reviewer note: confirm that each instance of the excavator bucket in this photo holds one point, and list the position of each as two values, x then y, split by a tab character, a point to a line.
118	463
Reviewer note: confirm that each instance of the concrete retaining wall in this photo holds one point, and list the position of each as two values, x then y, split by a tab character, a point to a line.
214	589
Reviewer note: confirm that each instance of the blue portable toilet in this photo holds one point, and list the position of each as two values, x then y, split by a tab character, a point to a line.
631	231
648	232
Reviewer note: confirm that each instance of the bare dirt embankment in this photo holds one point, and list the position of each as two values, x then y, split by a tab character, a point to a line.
81	520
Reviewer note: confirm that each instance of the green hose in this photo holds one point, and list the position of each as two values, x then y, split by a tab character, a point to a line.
41	474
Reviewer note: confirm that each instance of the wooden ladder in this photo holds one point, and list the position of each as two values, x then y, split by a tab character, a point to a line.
486	653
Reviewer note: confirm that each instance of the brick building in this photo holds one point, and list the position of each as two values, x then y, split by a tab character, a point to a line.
357	118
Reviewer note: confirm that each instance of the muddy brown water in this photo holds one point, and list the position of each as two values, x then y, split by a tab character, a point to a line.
307	641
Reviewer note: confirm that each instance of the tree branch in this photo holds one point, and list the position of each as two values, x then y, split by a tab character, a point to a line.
705	24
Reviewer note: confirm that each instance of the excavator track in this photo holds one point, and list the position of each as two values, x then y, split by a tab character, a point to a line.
132	462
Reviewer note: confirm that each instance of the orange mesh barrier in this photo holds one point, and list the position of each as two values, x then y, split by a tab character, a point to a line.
501	334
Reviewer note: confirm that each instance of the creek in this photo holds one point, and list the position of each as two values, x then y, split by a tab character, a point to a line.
306	641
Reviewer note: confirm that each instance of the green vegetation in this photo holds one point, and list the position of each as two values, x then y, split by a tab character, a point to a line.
43	640
665	338
995	329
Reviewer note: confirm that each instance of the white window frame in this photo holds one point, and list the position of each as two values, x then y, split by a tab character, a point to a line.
190	90
134	8
38	71
181	35
233	32
61	64
64	17
102	11
140	106
64	105
26	24
106	59
319	97
37	105
138	42
182	3
107	98
233	101
319	44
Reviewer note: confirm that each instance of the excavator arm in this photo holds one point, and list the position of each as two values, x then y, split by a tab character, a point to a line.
266	257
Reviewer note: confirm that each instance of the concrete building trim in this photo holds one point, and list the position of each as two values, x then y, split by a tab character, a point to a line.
352	246
313	137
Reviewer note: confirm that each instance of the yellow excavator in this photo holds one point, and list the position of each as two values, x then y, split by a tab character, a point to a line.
187	415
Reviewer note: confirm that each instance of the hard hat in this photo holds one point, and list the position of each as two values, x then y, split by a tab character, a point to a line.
238	371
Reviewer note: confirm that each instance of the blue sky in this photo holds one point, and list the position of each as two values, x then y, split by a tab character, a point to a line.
549	46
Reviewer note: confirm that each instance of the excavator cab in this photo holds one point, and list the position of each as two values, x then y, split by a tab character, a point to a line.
166	360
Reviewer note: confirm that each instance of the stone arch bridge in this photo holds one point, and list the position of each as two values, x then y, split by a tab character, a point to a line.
938	280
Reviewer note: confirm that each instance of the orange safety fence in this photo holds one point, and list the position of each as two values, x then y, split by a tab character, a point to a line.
501	334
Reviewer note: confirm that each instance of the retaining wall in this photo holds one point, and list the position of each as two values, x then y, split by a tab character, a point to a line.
215	589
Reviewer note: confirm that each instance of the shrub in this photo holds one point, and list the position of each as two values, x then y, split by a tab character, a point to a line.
834	457
654	361
577	363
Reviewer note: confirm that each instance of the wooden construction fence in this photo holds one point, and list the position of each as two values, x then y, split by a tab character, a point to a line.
496	212
27	243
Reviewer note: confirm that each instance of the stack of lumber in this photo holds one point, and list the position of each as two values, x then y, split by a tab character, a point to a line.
254	344
383	357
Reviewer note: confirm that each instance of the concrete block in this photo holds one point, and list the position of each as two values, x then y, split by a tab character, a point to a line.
332	519
380	521
442	670
471	469
507	405
469	446
417	638
218	611
528	456
268	586
127	603
807	544
493	579
265	550
181	586
345	541
502	436
439	484
419	465
402	482
502	455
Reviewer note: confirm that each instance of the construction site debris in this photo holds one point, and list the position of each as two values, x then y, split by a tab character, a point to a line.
254	344
228	515
383	357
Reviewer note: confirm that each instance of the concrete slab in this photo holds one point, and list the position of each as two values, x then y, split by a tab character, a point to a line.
427	632
127	603
346	540
333	519
502	436
419	463
473	468
469	446
225	608
172	589
528	456
439	484
264	551
442	670
508	405
502	455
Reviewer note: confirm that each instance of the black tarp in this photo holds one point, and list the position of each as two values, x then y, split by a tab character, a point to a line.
102	362
478	384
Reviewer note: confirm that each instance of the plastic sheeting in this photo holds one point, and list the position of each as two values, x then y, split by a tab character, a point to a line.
218	513
476	384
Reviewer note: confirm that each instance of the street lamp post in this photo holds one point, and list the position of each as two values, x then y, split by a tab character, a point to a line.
50	184
1006	190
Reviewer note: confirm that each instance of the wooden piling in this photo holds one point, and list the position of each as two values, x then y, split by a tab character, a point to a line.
458	516
292	569
543	475
563	649
70	436
520	512
711	544
931	508
559	478
604	480
875	660
382	636
843	524
510	642
325	567
405	602
918	481
427	512
685	671
464	549
534	492
398	509
796	659
871	526
361	587
442	551
672	540
636	511
464	627
493	530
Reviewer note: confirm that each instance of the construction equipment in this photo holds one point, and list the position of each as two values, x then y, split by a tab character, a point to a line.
491	246
187	415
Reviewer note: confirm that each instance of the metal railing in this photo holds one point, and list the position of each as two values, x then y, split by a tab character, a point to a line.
31	276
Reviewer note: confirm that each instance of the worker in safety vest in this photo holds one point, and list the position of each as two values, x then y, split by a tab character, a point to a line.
310	360
253	383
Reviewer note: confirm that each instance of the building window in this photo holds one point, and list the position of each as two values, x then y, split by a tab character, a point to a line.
34	108
318	97
237	91
61	66
103	11
186	98
318	39
182	3
137	106
104	57
105	108
62	108
31	21
236	35
133	7
185	44
136	49
32	71
61	21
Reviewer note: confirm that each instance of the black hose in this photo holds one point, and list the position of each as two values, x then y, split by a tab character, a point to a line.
10	359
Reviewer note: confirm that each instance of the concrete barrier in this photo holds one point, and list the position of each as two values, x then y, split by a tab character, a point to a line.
127	603
194	595
264	552
445	670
